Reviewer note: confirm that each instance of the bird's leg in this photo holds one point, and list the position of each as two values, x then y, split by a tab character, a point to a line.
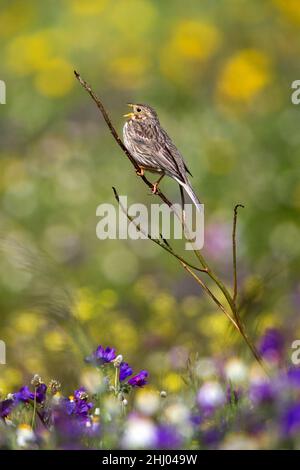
155	185
140	172
182	203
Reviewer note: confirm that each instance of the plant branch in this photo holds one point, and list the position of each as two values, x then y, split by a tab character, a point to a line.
165	246
209	292
235	213
186	265
205	267
115	135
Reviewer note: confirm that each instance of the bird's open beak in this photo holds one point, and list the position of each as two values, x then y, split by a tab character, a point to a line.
129	115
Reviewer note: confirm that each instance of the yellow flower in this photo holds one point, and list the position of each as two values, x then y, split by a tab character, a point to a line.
10	379
215	324
191	43
196	40
85	305
28	322
290	8
164	305
133	18
108	298
56	78
243	76
172	382
123	332
15	17
128	71
29	53
54	340
147	401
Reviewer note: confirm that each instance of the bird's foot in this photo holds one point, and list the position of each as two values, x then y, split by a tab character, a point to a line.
154	189
140	172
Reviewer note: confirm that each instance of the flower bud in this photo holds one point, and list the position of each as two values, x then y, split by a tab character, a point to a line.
36	380
117	362
54	386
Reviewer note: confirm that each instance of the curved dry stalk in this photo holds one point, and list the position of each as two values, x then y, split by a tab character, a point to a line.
186	265
209	292
165	246
115	135
205	267
235	213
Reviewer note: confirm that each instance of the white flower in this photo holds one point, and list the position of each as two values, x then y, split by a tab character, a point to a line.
177	413
211	395
25	435
205	368
139	433
147	402
236	371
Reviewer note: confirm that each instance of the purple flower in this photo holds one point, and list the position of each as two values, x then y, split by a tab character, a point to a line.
125	371
78	404
80	394
271	345
139	380
261	392
23	395
40	393
167	438
6	407
212	436
69	427
293	377
218	239
105	355
196	419
102	356
291	420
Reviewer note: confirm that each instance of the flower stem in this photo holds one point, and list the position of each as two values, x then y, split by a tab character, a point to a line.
34	409
117	381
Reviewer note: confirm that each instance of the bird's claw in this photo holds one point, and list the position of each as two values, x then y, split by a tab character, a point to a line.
140	172
154	189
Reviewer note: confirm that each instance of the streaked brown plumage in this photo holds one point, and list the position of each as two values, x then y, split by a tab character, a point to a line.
152	148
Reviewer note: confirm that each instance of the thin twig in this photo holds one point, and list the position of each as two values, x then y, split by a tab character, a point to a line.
165	245
119	141
235	213
115	135
208	291
186	265
200	257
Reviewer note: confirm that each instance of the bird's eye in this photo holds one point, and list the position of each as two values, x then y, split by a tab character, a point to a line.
138	109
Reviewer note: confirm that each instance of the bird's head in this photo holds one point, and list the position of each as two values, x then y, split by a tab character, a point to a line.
142	112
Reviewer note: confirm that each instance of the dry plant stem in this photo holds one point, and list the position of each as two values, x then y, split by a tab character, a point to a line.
235	213
117	138
187	266
200	257
208	291
165	246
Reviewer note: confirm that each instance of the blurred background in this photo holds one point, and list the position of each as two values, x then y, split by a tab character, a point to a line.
219	75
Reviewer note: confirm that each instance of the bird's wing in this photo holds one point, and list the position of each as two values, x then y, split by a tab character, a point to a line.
154	142
176	155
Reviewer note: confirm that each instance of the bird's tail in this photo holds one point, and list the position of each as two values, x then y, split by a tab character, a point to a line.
189	190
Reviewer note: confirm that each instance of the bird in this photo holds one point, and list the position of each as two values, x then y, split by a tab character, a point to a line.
153	150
